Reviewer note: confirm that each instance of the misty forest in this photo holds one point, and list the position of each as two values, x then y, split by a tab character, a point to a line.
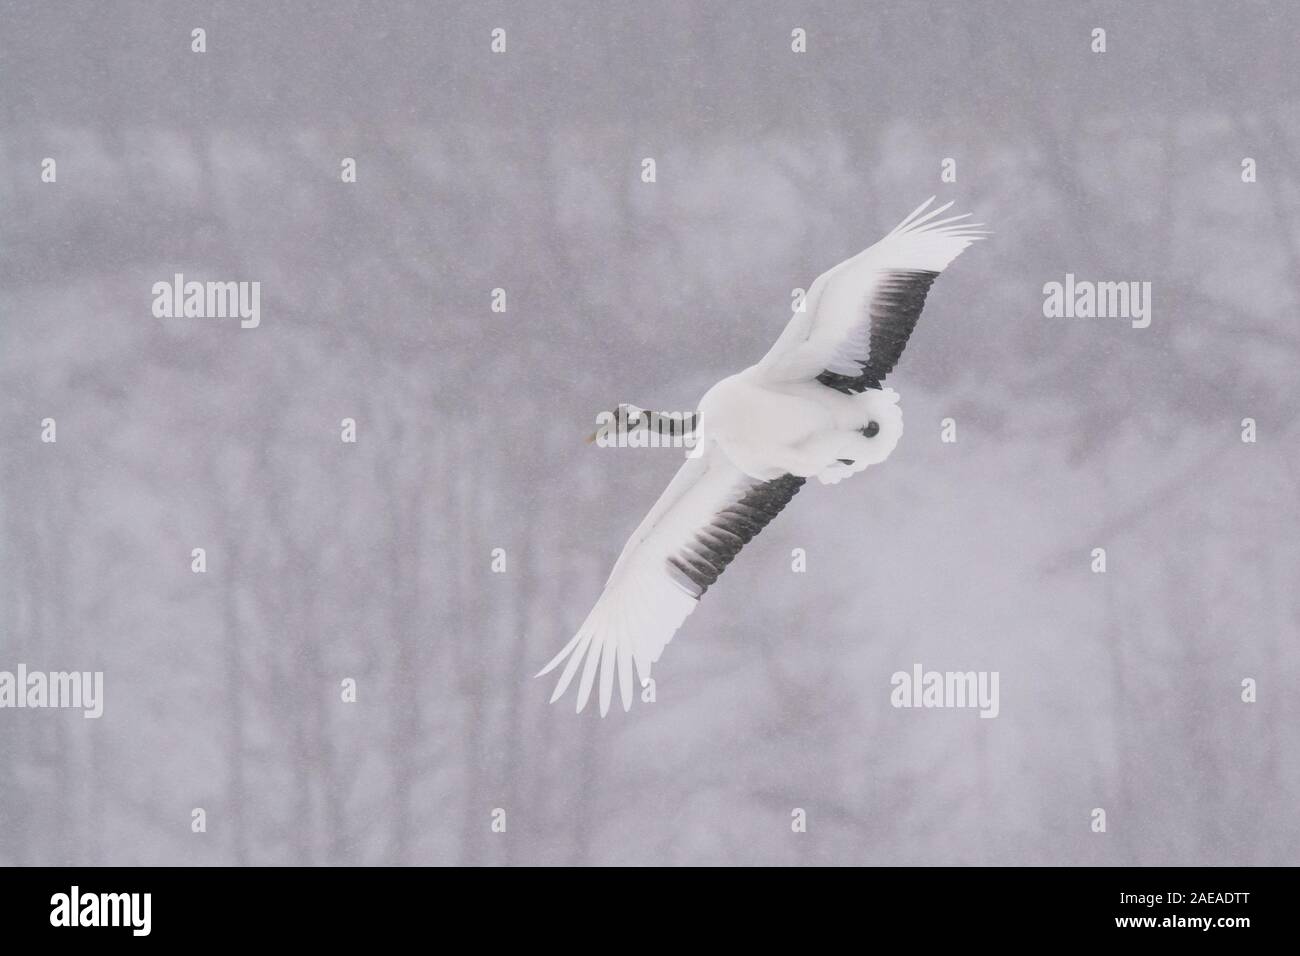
522	171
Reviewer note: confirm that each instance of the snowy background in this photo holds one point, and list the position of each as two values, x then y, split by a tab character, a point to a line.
522	171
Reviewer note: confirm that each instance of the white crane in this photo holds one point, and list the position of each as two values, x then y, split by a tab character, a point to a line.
813	406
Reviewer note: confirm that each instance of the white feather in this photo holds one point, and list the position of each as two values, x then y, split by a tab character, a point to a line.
830	334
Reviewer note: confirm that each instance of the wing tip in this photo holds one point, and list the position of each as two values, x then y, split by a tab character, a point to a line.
908	219
919	223
604	659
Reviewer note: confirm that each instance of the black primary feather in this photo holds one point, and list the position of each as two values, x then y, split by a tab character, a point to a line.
892	312
697	566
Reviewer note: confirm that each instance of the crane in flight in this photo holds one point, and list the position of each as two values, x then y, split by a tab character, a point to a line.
813	406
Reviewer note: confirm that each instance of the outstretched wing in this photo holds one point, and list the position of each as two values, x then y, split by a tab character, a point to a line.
709	511
858	316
